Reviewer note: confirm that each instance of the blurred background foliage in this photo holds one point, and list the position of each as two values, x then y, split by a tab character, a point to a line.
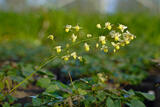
24	33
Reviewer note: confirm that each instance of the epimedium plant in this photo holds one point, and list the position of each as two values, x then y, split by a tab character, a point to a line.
10	74
96	90
89	92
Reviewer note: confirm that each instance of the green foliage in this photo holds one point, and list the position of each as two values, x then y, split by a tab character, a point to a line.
24	45
147	96
88	92
43	82
109	102
36	102
6	104
136	103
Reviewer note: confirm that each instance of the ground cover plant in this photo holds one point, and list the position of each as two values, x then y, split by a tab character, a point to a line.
90	80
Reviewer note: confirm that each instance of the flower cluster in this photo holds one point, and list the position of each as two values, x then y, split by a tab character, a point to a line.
121	39
117	37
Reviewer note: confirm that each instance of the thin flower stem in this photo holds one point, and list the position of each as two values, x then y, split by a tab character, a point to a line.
45	63
70	78
27	78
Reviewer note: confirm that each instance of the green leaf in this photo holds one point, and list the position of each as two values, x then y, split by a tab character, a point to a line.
101	95
2	97
110	102
6	104
27	70
17	105
27	105
117	103
11	99
1	85
45	72
81	92
136	103
150	97
131	92
44	82
61	85
36	101
91	99
52	88
86	103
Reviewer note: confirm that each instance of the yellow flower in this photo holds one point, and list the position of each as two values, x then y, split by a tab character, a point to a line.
114	50
132	37
98	26
122	43
127	41
115	35
101	77
74	55
65	58
77	28
104	48
97	45
116	38
51	37
74	37
116	45
102	39
58	49
108	25
86	46
66	30
129	35
68	27
80	58
89	35
122	27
